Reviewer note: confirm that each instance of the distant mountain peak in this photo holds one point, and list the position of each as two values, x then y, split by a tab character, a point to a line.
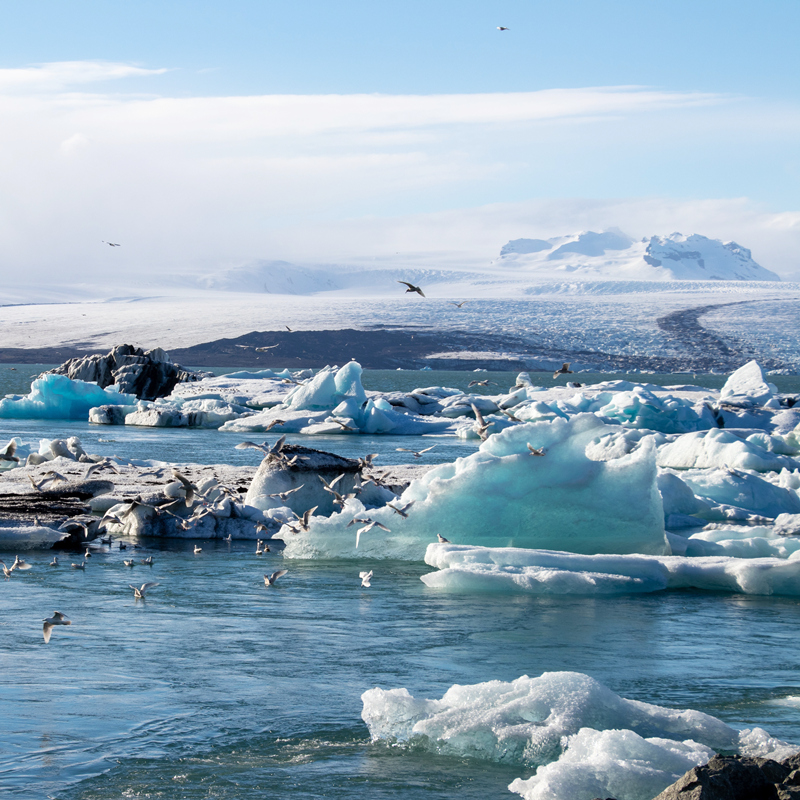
613	255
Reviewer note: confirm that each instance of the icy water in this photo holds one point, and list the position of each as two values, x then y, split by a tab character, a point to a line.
218	687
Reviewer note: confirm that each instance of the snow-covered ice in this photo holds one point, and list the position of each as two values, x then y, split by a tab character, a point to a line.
583	739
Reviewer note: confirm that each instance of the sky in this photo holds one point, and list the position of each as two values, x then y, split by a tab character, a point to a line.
201	135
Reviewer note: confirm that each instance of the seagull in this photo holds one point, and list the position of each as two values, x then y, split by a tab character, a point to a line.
401	511
288	328
535	451
20	563
457	305
483	426
412	288
228	538
565	370
54	562
197	549
6	570
139	592
284	495
269	580
188	486
344	425
365	462
8	453
111	244
303	521
511	416
503	28
148	561
441	539
82	565
365	579
57	619
129	562
367	528
87	554
481	383
415	453
259	551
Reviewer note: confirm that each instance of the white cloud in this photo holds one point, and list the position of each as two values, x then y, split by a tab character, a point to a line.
183	182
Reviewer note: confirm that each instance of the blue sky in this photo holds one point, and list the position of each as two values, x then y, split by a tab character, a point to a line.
420	127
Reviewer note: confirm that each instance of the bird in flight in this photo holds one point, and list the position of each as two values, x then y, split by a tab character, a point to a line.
503	28
365	579
412	288
415	453
111	244
140	591
565	370
269	580
457	305
57	619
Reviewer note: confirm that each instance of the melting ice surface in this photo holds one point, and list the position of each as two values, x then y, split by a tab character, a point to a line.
583	739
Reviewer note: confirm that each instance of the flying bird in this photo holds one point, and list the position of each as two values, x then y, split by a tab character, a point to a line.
412	288
269	580
535	451
503	28
565	370
111	244
365	579
140	591
48	624
415	453
457	305
486	382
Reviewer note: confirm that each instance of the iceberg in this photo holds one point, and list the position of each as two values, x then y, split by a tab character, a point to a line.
463	568
583	739
503	495
58	397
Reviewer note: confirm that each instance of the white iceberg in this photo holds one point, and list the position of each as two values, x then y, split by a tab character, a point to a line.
585	740
463	568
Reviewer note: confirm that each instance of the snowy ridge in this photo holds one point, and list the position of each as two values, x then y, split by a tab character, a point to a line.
614	255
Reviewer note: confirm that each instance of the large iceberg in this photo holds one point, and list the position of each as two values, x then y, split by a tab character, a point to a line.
503	495
583	739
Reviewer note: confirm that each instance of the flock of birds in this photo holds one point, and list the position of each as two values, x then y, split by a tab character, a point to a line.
201	506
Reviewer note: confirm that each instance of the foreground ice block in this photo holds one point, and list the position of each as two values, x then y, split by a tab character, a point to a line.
585	740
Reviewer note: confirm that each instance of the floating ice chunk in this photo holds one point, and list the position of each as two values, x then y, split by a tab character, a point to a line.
585	740
751	494
721	448
57	397
503	495
29	537
512	570
615	763
748	386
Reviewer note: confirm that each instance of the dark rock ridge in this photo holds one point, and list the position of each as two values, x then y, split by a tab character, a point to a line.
148	375
738	778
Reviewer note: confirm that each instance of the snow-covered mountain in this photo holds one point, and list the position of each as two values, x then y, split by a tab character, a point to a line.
612	255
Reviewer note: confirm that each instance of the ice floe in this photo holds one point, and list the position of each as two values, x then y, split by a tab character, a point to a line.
464	568
582	739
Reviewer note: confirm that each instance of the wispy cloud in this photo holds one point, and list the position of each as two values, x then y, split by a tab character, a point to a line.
208	179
